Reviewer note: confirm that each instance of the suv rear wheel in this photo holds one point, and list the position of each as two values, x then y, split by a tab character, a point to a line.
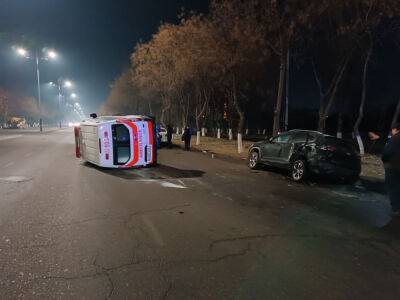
254	159
298	170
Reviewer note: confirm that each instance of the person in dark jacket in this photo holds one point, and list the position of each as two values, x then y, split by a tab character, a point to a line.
158	136
169	135
391	161
186	137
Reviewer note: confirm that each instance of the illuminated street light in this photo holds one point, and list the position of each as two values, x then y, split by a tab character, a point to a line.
67	84
51	54
73	96
22	52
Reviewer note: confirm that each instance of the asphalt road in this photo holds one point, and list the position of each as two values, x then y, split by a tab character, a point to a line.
193	228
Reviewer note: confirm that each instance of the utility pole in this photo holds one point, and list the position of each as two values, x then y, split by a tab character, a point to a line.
59	82
38	90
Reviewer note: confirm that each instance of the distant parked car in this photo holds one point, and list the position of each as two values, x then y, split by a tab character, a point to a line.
304	152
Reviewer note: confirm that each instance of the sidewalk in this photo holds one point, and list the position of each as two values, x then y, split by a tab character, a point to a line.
372	166
223	147
33	130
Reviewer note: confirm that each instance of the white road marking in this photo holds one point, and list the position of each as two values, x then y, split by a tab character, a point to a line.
181	182
171	185
163	183
153	231
8	137
198	181
15	179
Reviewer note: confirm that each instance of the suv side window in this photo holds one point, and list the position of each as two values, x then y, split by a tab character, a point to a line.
281	139
300	137
312	137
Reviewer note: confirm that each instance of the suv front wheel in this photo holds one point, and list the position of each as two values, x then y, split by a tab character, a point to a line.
298	170
254	159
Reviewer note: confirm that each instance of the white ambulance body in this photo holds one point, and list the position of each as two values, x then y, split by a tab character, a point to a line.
117	141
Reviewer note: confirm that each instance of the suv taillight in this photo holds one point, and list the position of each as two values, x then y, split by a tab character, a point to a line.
328	148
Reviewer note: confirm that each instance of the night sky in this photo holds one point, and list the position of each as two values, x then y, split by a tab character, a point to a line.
93	37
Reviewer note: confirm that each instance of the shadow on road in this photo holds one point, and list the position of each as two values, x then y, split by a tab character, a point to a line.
364	183
364	202
160	172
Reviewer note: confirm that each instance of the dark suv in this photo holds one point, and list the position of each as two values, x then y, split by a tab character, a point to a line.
302	152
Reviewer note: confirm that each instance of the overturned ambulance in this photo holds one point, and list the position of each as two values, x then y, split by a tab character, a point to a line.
117	141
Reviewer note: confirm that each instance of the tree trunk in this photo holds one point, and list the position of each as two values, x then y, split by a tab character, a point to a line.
321	118
197	128
200	109
339	133
230	134
287	90
362	103
162	116
240	142
279	99
396	115
240	112
327	109
218	133
325	106
198	138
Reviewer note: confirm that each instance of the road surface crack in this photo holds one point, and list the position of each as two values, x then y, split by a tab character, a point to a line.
106	273
166	292
144	212
116	217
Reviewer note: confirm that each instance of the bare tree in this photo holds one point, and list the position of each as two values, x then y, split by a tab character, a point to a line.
396	115
4	106
284	24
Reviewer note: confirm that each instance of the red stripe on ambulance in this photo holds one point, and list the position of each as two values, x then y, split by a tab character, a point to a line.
134	128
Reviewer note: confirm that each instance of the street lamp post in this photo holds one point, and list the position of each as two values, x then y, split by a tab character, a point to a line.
59	99
50	55
38	89
61	83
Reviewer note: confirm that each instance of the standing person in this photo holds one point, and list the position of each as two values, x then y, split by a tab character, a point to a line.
169	135
186	137
158	136
391	161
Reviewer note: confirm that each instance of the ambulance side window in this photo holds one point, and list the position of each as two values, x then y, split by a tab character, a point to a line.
122	134
121	144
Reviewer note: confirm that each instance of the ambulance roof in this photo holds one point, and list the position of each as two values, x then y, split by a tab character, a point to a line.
107	119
